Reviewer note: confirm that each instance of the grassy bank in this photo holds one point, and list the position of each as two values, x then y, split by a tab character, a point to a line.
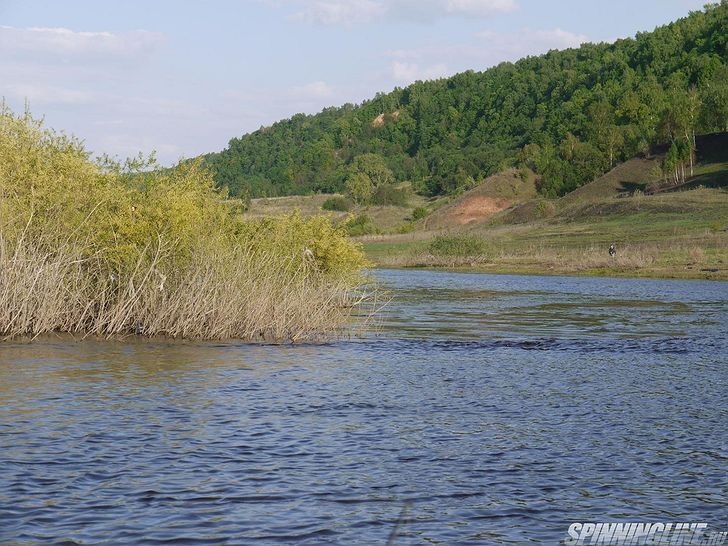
109	249
382	218
679	235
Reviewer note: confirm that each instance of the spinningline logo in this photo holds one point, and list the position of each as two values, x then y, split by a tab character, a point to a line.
652	534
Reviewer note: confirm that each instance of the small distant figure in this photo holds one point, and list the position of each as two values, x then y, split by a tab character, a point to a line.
612	250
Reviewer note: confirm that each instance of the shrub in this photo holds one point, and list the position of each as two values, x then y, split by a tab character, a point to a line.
717	225
545	208
418	213
457	246
406	227
360	225
360	188
111	249
523	173
337	203
390	195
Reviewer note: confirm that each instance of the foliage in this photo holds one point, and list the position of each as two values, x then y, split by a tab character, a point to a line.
390	195
368	176
545	208
337	203
457	245
568	115
418	213
302	240
361	224
406	227
360	188
112	245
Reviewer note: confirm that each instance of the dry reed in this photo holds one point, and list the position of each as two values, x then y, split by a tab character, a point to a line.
109	249
244	295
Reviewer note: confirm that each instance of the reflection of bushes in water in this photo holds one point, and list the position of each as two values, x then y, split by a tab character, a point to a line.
458	245
337	203
361	224
108	249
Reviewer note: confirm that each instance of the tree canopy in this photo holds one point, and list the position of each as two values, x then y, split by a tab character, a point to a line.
570	115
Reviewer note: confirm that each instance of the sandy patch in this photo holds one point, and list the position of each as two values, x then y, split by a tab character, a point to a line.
476	208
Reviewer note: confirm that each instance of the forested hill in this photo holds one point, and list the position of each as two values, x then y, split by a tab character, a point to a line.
568	115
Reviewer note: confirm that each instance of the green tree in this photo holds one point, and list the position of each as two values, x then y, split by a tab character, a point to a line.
360	188
714	112
373	166
616	100
368	172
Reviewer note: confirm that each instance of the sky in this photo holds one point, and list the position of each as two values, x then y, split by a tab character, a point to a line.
183	77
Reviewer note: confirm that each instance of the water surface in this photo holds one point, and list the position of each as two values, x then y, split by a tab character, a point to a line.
498	409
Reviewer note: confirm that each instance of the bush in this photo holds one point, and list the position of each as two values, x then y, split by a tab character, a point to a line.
458	246
111	249
390	195
337	204
406	227
545	208
418	213
360	225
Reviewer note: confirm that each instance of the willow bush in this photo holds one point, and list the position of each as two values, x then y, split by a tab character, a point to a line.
108	248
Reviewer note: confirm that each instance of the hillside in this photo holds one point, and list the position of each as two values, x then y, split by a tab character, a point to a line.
382	219
632	175
496	193
673	230
568	115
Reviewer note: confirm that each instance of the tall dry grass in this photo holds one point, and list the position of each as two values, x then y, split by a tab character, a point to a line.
114	250
245	295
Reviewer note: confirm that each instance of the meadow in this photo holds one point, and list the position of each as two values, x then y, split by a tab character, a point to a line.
678	235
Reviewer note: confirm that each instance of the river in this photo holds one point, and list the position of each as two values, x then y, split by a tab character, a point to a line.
486	409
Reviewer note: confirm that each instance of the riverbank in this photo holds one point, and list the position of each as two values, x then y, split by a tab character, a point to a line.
665	236
652	260
525	267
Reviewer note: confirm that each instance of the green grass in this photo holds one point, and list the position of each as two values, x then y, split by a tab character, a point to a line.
667	235
460	244
384	218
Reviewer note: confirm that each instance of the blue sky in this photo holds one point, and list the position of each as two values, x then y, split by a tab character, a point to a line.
183	77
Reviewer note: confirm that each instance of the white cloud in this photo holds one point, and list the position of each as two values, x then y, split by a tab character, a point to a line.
530	42
482	51
332	12
50	44
347	12
483	8
80	82
404	72
314	90
45	94
110	88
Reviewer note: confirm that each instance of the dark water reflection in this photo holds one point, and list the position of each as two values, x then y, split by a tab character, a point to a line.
502	408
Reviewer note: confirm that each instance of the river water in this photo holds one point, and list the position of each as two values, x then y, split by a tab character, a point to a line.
486	410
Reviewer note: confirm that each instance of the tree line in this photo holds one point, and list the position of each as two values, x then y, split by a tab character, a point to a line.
568	115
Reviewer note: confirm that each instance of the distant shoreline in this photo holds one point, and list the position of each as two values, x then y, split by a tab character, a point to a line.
496	269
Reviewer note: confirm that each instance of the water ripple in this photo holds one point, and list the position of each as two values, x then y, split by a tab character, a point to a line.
497	409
